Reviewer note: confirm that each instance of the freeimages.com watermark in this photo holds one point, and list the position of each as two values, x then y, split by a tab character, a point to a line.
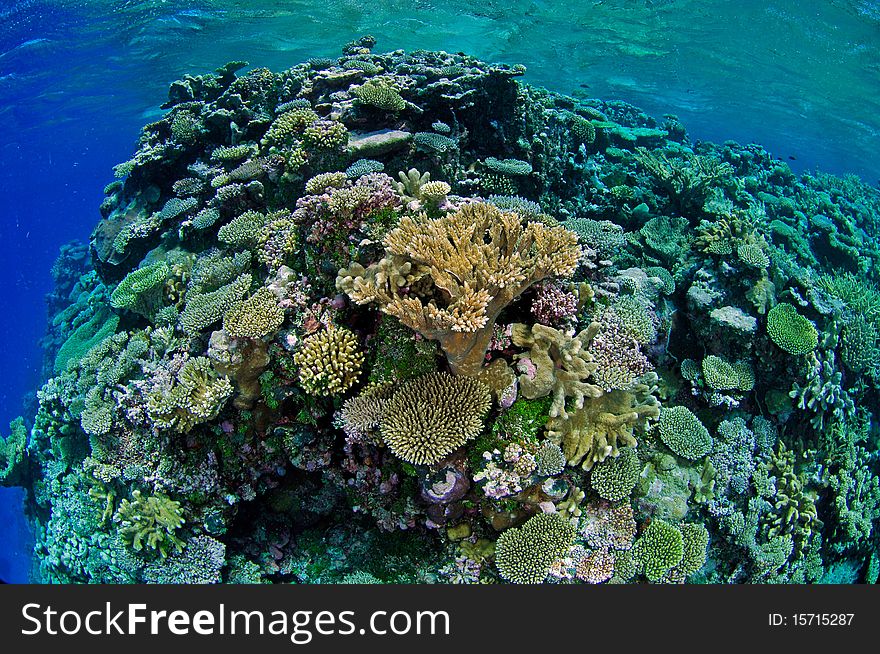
300	626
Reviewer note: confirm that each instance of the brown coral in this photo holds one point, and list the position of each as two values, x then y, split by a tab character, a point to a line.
477	259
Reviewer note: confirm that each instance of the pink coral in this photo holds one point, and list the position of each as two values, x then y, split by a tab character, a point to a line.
553	305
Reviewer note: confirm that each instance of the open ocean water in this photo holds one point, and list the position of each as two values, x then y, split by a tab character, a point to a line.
79	78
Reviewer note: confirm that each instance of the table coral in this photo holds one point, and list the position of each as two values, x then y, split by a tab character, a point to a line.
480	257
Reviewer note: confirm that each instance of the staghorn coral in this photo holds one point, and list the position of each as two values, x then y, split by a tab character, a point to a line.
480	258
794	509
687	179
329	361
524	554
429	417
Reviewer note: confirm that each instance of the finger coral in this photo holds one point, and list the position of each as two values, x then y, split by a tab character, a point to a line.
150	521
605	423
329	361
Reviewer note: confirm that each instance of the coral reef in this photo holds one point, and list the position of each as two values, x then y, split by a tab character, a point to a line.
402	318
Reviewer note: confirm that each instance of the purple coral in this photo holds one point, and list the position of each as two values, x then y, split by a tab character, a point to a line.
553	305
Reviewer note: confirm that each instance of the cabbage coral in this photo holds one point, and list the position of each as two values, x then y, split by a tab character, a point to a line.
478	259
429	417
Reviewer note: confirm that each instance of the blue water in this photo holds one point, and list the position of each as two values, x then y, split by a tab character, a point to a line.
79	78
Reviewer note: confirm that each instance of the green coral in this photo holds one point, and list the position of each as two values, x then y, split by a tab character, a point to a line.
101	325
790	330
695	541
524	554
196	395
379	95
13	454
722	375
204	309
243	230
326	134
582	130
329	361
255	317
550	460
615	478
150	521
658	550
683	433
289	125
509	167
140	291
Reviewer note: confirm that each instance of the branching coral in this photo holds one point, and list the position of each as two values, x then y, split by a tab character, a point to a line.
204	309
688	180
683	433
478	259
790	330
614	478
141	290
150	521
255	317
381	96
429	417
329	361
524	554
13	454
659	549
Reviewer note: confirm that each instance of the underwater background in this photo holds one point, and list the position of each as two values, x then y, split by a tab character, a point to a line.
78	80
